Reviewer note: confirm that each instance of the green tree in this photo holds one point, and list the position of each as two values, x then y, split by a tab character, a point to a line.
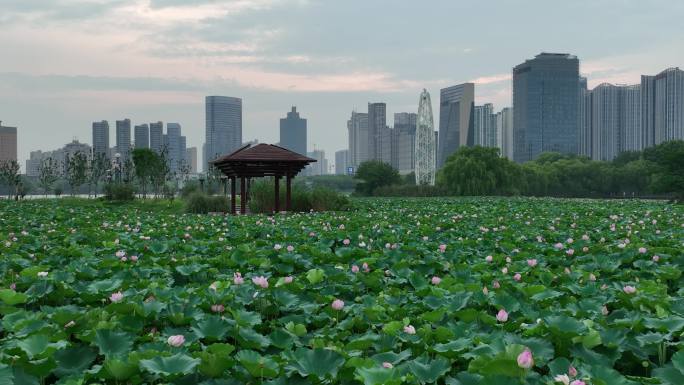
48	174
374	174
9	174
669	174
96	171
76	168
479	171
146	163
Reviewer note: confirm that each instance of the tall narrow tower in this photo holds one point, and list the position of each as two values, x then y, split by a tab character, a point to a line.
426	150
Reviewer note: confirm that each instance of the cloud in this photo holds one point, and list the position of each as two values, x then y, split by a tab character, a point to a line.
497	78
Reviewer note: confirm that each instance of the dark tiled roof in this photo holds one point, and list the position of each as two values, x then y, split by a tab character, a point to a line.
263	153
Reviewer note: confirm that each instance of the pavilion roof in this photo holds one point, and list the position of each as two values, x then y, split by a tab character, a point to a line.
261	160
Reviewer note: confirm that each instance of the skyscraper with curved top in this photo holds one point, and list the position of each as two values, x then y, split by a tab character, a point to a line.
425	147
456	120
223	125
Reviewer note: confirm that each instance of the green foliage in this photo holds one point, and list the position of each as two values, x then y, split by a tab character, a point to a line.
410	190
119	192
669	159
344	183
48	174
478	171
200	203
373	174
304	199
75	170
146	164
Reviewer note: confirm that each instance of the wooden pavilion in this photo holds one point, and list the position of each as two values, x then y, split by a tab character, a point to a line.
259	161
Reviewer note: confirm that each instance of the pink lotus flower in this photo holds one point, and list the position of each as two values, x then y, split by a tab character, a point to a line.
218	308
13	286
570	251
655	258
485	291
277	247
120	253
116	297
176	341
525	359
365	267
496	285
436	280
504	270
642	250
585	249
337	304
489	259
517	277
558	246
572	372
288	279
387	365
261	281
502	316
354	269
290	248
346	242
508	259
578	382
592	277
409	329
569	240
629	289
237	278
134	258
442	247
562	378
124	259
531	262
585	237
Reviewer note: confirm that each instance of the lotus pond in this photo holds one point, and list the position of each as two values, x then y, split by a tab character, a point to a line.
446	291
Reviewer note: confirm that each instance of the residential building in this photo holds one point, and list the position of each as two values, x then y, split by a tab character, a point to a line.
484	126
584	116
504	129
377	130
357	127
8	143
546	106
341	162
662	106
157	137
456	121
403	142
123	139
320	167
191	159
101	138
223	119
142	136
293	132
175	153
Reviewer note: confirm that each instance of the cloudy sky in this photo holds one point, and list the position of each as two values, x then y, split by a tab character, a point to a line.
66	63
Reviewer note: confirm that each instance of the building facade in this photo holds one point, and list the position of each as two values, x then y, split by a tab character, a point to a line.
191	159
341	162
546	93
457	106
293	132
223	121
142	136
320	167
101	138
378	137
123	138
157	136
8	143
357	127
176	150
662	106
484	126
504	129
425	147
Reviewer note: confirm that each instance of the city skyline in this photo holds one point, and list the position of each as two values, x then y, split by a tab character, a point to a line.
75	63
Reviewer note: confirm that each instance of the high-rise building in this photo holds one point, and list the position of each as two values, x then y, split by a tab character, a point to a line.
426	142
173	139
191	159
457	106
357	127
8	143
101	138
484	126
320	167
377	130
34	161
614	120
584	117
403	142
223	125
504	129
341	162
123	138
546	106
142	136
662	106
157	137
293	132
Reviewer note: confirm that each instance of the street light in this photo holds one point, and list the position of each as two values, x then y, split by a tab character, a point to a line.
117	156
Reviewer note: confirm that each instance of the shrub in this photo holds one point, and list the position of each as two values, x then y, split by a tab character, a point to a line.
410	191
303	199
119	192
189	188
200	203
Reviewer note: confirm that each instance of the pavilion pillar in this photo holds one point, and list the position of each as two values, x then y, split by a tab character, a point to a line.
249	188
277	193
288	192
243	195
233	180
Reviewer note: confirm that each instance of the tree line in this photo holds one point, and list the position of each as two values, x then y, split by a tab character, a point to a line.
475	171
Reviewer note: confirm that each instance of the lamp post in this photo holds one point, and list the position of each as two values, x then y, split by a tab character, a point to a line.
117	158
201	180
